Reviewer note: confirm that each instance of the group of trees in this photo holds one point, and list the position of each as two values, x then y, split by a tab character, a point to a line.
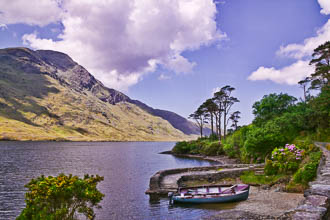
216	111
281	118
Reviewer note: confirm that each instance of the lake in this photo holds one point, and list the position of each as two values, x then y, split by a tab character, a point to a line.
126	167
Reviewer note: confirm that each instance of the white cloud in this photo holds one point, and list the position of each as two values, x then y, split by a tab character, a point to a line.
179	64
325	5
301	52
120	40
31	12
289	75
3	27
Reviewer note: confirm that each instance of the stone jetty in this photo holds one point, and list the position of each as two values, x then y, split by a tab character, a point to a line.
166	181
314	205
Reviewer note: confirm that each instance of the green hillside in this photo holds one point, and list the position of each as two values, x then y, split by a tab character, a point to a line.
37	103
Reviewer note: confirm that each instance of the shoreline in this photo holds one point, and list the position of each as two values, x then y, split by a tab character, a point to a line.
54	140
218	159
271	203
264	202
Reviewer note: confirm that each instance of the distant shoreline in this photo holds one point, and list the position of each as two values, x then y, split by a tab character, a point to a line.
52	140
217	159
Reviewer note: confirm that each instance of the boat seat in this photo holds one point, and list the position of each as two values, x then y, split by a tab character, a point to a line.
241	188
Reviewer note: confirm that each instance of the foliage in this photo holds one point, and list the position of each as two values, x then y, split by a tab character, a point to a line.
309	171
213	137
234	117
201	117
260	141
184	147
61	197
321	60
232	144
272	105
202	146
284	160
211	149
249	177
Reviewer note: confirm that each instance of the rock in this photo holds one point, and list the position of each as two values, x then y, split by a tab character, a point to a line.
312	209
278	189
241	215
318	189
316	200
306	215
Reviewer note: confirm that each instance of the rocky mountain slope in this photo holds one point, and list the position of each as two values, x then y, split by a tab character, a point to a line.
45	95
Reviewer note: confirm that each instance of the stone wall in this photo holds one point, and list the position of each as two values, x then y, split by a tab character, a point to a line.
316	204
235	171
212	177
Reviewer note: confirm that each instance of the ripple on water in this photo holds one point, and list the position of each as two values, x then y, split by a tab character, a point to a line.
126	167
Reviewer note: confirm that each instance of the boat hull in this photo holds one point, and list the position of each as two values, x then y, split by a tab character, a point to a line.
216	199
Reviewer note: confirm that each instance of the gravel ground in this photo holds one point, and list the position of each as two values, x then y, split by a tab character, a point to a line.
264	203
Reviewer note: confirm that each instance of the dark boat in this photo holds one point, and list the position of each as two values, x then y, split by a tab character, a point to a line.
211	194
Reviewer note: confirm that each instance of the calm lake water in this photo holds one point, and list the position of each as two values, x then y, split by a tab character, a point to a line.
126	167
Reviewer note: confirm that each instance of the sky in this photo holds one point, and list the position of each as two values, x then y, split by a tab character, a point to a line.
173	54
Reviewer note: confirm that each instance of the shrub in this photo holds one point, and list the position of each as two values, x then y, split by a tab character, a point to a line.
307	145
271	168
284	160
230	150
232	143
185	147
213	137
210	149
61	197
309	171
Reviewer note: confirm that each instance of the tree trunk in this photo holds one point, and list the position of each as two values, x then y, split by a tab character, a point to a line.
219	128
211	123
224	124
201	127
216	125
305	93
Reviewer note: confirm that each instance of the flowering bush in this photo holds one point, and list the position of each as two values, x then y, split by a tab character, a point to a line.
284	160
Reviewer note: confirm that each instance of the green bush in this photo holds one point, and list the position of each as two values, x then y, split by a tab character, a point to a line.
213	137
184	147
230	150
306	144
200	146
271	168
61	197
309	171
210	149
232	144
284	160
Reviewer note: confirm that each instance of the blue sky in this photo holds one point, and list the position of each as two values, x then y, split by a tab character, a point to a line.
268	42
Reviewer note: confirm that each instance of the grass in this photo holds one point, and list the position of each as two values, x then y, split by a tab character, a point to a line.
250	178
34	106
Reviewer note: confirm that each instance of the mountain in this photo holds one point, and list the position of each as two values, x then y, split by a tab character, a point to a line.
45	95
